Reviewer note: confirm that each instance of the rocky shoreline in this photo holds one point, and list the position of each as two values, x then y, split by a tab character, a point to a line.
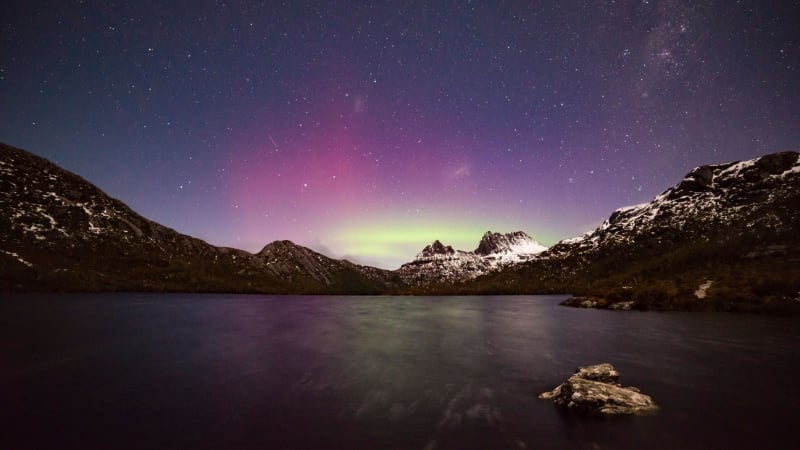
787	304
599	303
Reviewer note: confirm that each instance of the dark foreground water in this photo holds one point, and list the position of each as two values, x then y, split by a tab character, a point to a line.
226	371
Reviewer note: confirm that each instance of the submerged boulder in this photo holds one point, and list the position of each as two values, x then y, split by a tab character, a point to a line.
596	390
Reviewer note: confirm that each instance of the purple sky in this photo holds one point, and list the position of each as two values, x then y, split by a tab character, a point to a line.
367	132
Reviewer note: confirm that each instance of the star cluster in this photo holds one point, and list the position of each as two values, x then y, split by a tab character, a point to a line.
368	129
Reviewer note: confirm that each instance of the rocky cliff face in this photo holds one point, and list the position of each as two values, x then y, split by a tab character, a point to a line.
508	248
437	263
58	231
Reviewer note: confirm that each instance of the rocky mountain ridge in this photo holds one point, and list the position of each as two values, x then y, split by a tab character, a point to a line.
728	231
708	199
437	263
60	232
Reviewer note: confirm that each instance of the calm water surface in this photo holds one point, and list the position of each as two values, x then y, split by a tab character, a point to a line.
227	371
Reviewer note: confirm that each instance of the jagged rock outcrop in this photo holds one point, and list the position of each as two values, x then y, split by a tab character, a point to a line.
596	390
516	245
435	250
437	263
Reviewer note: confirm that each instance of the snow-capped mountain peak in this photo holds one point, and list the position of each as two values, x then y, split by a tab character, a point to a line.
517	244
438	263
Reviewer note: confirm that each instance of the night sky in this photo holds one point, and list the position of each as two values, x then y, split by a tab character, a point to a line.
366	130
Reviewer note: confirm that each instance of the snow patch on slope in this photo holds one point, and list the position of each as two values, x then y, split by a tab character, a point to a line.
706	198
17	257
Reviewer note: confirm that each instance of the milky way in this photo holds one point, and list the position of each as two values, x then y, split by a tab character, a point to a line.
369	131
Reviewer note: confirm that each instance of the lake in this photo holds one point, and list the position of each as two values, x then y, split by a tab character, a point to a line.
234	371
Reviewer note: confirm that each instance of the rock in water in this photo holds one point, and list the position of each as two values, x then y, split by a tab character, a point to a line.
595	390
604	373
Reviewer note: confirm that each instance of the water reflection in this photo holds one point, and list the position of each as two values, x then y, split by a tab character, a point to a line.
217	371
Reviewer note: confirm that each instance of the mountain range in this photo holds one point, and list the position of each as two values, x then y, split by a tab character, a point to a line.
59	232
724	238
437	263
731	227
